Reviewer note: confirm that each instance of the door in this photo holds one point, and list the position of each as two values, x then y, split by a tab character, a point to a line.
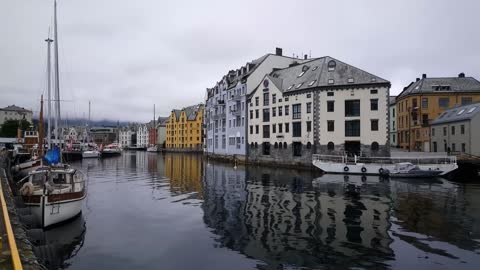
426	147
352	148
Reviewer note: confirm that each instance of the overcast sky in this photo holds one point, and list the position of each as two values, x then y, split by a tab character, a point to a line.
125	56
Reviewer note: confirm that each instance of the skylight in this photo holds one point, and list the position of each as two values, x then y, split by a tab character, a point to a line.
299	85
461	111
301	74
315	68
312	82
290	87
350	80
331	81
472	109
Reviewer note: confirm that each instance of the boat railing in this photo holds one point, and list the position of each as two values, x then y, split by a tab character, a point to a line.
385	160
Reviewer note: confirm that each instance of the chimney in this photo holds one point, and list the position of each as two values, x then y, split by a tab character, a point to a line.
424	76
418	79
278	51
461	75
305	56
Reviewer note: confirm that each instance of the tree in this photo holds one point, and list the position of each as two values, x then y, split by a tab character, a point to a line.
9	128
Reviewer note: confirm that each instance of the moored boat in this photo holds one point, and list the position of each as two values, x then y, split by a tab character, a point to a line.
152	148
408	170
111	150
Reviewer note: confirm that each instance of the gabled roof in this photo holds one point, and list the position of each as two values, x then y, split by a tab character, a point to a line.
456	114
315	73
392	100
192	111
14	108
177	113
442	85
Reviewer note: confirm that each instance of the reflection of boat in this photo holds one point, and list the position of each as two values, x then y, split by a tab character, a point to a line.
54	194
111	150
377	165
408	170
152	148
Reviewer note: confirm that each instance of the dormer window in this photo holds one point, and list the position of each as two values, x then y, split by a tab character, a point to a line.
331	81
331	65
350	80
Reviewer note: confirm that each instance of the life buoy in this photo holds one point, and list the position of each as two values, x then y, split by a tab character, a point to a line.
364	178
364	170
380	170
346	169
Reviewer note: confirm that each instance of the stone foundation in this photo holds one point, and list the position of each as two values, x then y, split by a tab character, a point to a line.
281	156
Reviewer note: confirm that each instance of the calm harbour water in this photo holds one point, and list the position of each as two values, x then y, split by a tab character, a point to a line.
178	211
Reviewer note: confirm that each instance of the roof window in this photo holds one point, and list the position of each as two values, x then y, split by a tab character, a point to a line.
331	81
472	109
350	80
314	68
312	82
290	87
299	85
461	111
301	74
331	65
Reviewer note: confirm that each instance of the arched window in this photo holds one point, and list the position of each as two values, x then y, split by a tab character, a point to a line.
280	145
374	146
285	145
330	146
275	145
309	145
331	65
252	145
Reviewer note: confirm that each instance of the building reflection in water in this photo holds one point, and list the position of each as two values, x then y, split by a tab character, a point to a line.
185	173
280	218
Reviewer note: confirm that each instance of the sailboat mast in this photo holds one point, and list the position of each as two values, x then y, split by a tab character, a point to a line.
40	128
49	90
89	124
57	77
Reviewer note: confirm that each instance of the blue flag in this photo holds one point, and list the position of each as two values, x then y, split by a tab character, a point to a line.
52	156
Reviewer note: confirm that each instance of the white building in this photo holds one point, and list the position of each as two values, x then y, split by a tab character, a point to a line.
320	106
142	135
393	121
125	137
13	112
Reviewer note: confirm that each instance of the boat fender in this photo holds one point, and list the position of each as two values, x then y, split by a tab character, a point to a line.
346	169
380	170
364	178
364	170
26	189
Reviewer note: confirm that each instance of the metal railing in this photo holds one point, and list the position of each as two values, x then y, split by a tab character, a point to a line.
385	160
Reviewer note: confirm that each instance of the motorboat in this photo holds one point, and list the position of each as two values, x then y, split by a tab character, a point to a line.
91	152
111	150
152	148
409	170
54	193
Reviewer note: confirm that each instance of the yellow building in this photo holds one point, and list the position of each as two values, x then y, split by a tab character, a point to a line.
424	100
184	128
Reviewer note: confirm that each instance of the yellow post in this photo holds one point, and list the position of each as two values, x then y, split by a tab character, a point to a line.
17	265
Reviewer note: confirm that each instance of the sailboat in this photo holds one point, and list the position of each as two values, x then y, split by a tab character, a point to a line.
54	192
153	147
92	149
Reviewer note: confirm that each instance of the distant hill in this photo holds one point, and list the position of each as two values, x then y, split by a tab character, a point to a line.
99	123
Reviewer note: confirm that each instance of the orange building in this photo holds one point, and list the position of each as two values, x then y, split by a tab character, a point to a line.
184	128
424	100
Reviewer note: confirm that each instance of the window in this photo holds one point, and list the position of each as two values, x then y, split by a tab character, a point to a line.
374	104
280	128
309	107
461	111
301	74
290	87
374	124
331	65
266	115
251	114
462	129
280	110
373	91
352	128
330	146
251	129
330	94
471	110
350	80
274	98
286	109
274	111
297	149
374	146
287	128
299	85
352	108
331	81
453	147
443	102
466	100
286	99
297	111
266	131
330	125
256	129
433	131
425	103
330	106
256	101
309	126
312	82
435	147
393	112
266	99
425	119
274	128
464	148
266	148
444	131
414	103
453	130
297	129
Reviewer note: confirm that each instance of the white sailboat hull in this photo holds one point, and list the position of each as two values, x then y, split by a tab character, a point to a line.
91	154
52	213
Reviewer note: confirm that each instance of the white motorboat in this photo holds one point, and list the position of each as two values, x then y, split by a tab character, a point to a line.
152	148
54	193
111	150
91	154
377	165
